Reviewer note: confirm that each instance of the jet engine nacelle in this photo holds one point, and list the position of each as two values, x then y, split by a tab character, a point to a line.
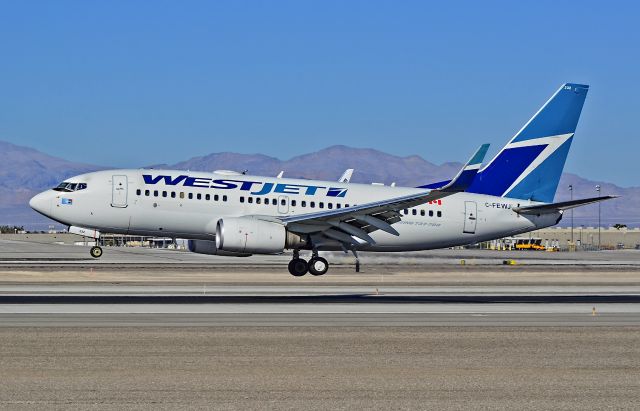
250	235
209	247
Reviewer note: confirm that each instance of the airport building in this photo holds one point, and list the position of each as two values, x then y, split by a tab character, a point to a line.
579	238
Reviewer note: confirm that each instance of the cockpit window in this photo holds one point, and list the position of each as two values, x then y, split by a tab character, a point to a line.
68	187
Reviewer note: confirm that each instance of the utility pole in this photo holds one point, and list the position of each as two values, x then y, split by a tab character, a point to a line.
571	191
598	190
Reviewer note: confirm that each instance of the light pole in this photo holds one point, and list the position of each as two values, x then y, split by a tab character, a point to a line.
571	191
598	191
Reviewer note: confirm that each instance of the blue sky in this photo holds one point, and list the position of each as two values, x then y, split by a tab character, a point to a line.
129	83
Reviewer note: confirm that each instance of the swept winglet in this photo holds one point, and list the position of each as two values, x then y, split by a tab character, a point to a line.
468	173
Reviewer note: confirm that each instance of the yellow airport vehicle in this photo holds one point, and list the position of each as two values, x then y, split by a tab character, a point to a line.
529	244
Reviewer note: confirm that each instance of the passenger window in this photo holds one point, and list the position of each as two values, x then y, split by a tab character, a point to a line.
173	194
321	204
138	192
338	205
330	206
199	196
405	211
216	197
439	213
164	194
266	201
293	203
274	201
430	213
303	203
414	212
283	202
146	192
207	197
190	196
224	198
241	199
258	200
346	206
422	213
181	194
155	193
250	200
312	204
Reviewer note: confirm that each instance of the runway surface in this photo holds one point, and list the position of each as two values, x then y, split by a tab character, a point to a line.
126	305
158	329
51	284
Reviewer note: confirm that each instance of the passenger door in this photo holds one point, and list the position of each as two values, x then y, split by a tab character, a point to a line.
470	217
119	191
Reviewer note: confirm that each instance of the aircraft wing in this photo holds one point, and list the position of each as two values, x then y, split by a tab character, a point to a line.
561	206
358	221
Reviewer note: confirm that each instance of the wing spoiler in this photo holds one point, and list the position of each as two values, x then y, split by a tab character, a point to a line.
561	206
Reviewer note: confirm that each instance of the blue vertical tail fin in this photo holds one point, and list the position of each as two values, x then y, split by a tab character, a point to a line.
530	165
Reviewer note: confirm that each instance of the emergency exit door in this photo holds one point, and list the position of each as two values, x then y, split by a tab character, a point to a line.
119	191
283	204
470	217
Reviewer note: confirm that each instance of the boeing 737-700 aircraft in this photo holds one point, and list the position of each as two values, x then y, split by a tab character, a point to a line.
234	214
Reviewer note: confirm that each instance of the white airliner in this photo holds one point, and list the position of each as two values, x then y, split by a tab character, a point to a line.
234	214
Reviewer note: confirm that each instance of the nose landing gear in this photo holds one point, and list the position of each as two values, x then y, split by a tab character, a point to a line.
316	265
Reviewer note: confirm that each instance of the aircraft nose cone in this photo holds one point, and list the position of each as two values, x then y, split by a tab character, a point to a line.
41	203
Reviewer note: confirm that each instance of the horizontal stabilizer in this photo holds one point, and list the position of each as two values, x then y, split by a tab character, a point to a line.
557	207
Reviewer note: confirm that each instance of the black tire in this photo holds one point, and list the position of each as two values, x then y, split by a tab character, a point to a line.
313	266
96	252
298	267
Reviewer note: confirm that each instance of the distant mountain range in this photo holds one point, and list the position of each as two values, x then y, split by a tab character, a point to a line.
25	171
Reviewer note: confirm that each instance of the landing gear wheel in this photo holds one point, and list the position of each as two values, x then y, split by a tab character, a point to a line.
318	266
298	267
96	252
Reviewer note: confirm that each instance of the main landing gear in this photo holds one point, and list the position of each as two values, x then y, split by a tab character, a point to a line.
96	252
316	265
